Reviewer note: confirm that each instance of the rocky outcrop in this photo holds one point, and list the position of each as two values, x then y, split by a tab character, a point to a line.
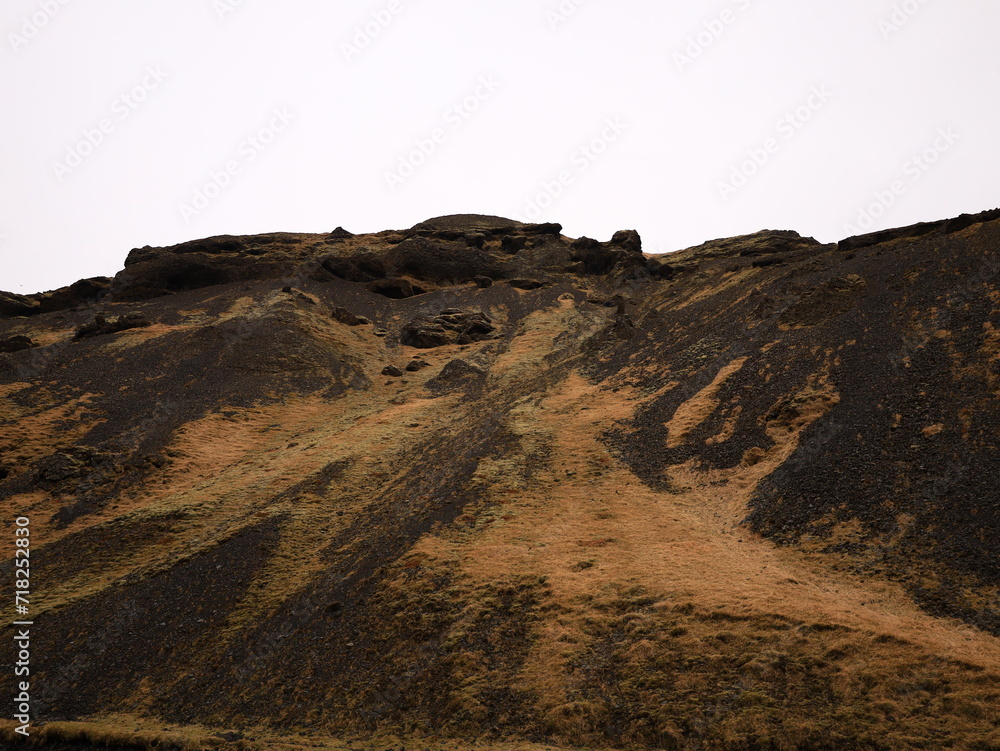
451	326
347	318
16	344
154	272
559	521
83	292
101	326
444	261
456	374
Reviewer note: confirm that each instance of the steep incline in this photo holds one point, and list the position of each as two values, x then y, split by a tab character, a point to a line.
479	481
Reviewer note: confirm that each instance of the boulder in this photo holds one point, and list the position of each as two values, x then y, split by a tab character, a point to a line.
100	326
451	326
425	333
455	375
16	344
346	317
628	240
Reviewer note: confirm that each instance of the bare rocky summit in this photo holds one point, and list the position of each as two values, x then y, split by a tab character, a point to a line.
477	482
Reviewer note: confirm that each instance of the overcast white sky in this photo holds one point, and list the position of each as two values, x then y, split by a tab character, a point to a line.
129	123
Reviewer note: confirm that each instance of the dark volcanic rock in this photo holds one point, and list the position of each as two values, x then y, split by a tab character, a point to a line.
548	228
79	293
396	289
467	223
361	265
346	317
475	239
451	326
59	467
513	244
154	272
628	239
100	326
598	258
243	531
16	343
765	242
828	300
426	333
12	305
442	262
456	374
526	284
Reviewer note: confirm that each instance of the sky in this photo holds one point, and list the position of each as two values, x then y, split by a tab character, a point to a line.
129	123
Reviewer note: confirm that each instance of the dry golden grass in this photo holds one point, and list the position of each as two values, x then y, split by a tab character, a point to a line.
686	551
667	587
699	407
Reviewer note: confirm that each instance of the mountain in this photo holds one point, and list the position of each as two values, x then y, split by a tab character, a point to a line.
478	483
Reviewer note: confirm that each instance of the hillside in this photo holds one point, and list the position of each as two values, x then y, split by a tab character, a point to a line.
479	483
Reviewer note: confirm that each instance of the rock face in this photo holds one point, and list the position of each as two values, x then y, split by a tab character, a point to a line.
475	482
100	326
16	344
79	293
451	326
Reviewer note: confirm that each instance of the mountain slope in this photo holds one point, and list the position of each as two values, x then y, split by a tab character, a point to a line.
479	481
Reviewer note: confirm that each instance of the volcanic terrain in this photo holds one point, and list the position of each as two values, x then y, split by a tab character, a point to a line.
478	484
